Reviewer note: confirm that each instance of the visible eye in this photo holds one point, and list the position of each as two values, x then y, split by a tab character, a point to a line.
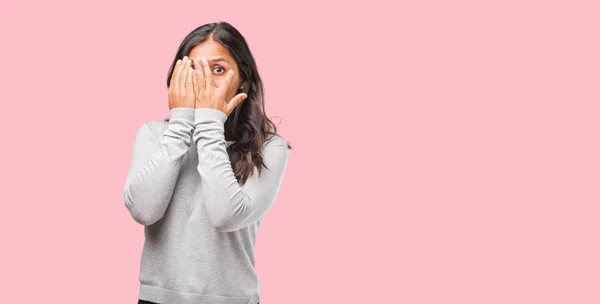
219	67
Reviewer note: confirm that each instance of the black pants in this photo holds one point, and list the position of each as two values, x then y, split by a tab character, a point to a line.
148	302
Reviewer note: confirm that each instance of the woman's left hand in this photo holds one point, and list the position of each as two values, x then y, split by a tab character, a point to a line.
210	96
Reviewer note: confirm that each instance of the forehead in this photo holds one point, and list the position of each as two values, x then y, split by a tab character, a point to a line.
210	49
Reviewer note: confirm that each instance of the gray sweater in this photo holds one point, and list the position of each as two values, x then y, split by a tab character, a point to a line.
200	224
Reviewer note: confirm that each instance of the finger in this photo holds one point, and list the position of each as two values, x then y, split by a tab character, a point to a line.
194	82
189	86
183	76
222	89
175	76
207	75
200	76
235	101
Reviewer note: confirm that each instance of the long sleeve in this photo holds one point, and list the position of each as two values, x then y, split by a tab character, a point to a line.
155	167
231	206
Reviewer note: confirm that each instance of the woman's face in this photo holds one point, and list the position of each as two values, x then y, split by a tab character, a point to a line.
220	62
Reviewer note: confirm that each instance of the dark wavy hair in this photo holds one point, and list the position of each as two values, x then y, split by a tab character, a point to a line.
248	125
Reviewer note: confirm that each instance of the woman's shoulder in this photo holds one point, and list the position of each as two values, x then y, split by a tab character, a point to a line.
159	123
156	127
276	140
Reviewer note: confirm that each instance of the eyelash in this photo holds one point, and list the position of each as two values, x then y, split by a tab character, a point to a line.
217	66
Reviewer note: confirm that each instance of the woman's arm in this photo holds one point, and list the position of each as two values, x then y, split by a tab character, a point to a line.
155	167
231	206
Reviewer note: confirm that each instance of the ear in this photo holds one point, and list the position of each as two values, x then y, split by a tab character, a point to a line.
246	83
245	87
235	101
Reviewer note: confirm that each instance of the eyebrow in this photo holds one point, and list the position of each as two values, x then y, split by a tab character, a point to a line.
219	59
214	60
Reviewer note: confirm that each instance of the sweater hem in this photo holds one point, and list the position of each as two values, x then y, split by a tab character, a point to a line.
166	296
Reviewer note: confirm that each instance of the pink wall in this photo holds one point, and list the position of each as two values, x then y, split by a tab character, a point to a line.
444	152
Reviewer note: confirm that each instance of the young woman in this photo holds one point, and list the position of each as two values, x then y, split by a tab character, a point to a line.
201	181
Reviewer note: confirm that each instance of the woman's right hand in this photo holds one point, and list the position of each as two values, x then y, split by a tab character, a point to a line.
181	89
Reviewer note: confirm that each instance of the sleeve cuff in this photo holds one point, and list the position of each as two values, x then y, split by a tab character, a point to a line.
183	113
203	114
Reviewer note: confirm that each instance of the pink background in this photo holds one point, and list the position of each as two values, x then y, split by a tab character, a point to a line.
444	152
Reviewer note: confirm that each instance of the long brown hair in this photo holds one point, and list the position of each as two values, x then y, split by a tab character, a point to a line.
248	125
